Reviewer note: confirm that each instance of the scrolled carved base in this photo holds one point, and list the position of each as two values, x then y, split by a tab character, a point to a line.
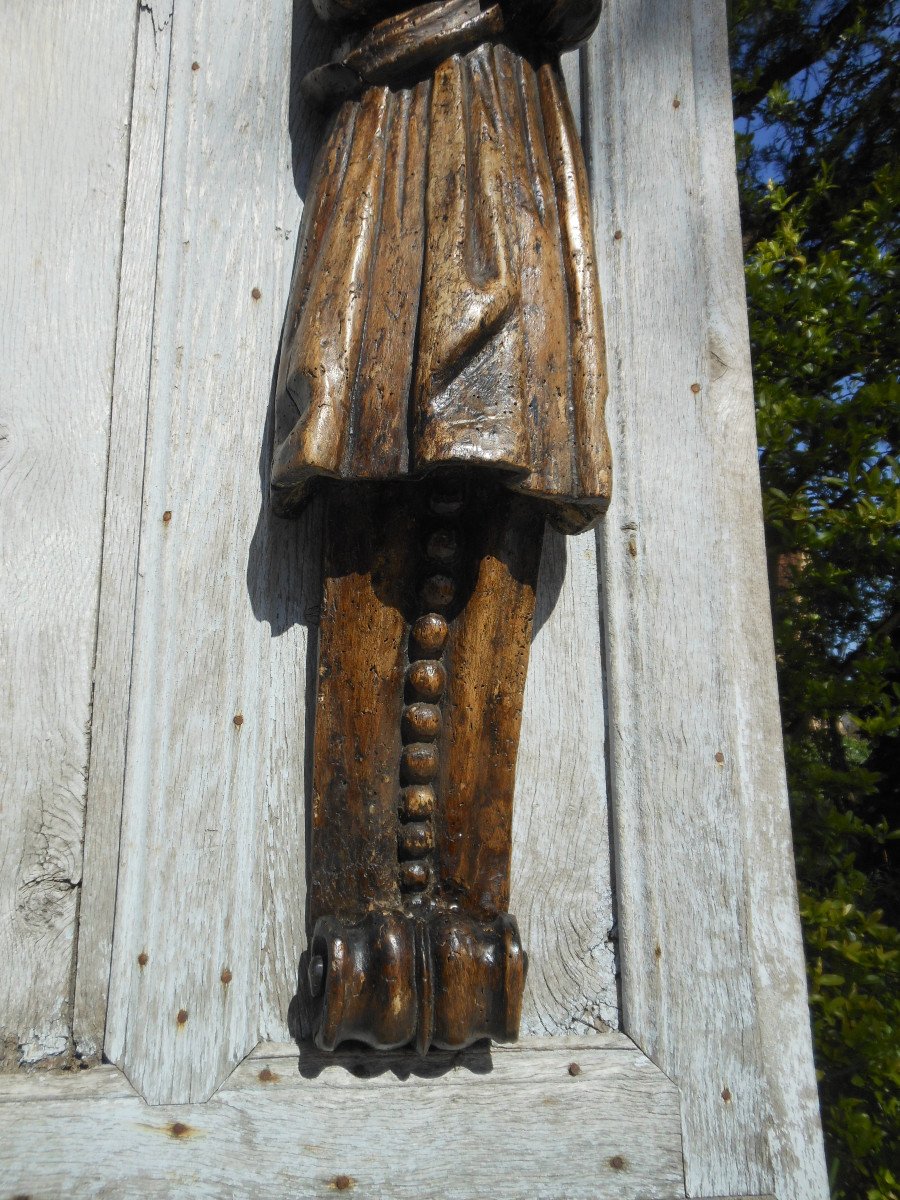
396	979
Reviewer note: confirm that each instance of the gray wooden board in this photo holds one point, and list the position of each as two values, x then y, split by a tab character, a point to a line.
561	886
210	863
712	963
511	1123
65	84
184	1001
122	524
195	830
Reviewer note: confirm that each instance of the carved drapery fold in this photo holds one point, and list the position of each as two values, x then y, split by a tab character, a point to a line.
446	308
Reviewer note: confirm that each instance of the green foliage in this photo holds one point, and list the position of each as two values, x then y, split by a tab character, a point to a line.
821	196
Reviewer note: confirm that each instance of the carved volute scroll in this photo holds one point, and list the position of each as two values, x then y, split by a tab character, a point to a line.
442	382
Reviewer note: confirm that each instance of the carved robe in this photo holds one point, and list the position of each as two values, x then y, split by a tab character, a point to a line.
445	308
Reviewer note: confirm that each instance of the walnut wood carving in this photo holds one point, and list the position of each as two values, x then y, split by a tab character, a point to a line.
442	381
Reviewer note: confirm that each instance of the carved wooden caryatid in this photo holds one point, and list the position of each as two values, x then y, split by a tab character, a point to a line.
442	381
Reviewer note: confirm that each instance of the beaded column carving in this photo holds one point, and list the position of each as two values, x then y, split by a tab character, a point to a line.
423	651
442	382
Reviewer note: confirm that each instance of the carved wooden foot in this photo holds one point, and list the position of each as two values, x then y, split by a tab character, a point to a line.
423	650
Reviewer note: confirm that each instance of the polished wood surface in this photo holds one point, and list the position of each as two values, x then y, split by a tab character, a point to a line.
443	377
445	308
429	595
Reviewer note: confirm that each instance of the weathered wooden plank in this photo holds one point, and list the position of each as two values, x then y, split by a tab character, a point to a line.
216	588
794	1125
122	527
561	888
65	88
698	793
577	984
609	1130
284	583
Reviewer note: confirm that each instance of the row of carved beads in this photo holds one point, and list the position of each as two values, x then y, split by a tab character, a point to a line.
426	680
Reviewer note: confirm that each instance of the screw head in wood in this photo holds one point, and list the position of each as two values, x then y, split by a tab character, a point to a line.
429	635
446	502
417	802
438	591
421	722
415	840
442	545
426	679
419	762
414	876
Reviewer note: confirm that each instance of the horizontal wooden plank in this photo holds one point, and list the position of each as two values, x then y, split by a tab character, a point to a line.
456	1126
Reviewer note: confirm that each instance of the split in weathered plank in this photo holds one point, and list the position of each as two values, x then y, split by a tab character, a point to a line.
561	887
122	526
708	922
574	1119
204	429
65	85
220	647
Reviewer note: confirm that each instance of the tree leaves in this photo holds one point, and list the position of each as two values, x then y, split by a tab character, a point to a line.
820	191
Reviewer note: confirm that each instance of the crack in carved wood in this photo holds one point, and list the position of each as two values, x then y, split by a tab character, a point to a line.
442	380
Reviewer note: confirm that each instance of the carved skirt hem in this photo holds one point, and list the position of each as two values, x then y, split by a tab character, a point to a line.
445	308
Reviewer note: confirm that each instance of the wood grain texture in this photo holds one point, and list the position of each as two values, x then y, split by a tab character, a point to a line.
282	582
65	98
424	639
444	313
445	309
712	967
214	594
561	885
122	527
608	1132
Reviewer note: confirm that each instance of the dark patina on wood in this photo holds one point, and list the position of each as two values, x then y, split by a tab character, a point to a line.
442	381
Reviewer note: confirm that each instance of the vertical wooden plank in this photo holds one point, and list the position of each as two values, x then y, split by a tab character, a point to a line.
698	794
284	581
794	1123
561	887
206	687
65	98
122	527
